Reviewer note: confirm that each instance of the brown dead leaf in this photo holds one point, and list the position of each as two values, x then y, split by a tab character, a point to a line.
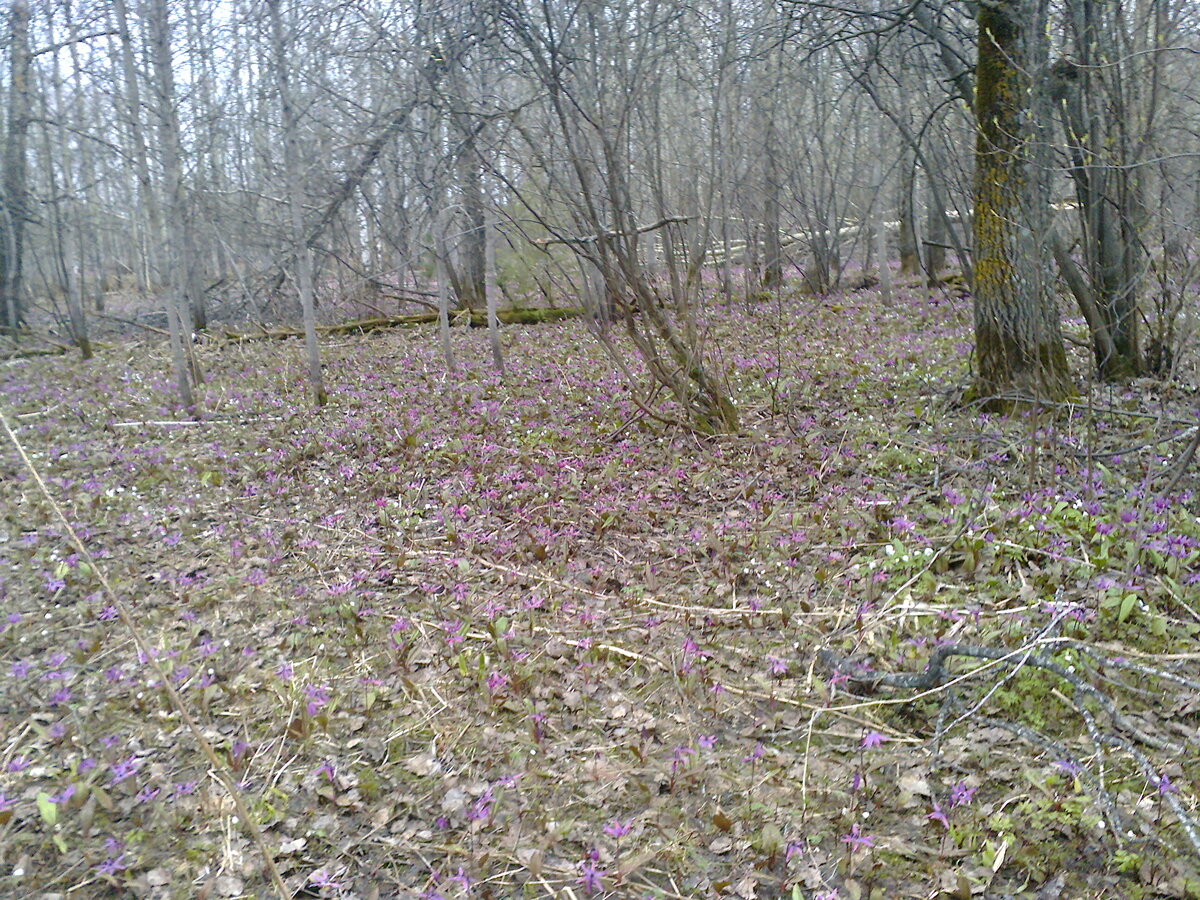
635	862
532	859
381	816
422	764
914	782
454	800
721	844
228	886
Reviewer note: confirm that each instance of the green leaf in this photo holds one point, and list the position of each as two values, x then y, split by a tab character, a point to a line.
1126	607
48	808
770	840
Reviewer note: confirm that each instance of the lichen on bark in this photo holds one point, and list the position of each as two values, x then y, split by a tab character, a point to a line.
1019	344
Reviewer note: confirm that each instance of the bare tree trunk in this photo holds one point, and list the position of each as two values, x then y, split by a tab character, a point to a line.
159	38
588	125
595	298
472	245
752	261
726	253
909	251
181	242
1018	341
66	209
772	247
131	97
147	190
14	209
440	226
935	222
878	219
491	289
1106	192
89	239
291	157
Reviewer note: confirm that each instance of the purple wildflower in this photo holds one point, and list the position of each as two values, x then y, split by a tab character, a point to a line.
112	865
873	739
590	877
938	815
960	794
857	839
618	829
322	878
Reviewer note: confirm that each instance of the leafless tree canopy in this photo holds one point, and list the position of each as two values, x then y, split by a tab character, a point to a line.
235	159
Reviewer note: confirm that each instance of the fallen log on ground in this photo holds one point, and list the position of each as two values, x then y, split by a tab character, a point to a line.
7	355
13	350
473	318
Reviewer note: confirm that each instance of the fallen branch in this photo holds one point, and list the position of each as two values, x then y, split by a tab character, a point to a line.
56	348
406	298
593	238
30	354
1085	696
473	318
133	322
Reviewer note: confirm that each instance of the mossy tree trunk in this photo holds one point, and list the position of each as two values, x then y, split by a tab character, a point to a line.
13	189
1019	343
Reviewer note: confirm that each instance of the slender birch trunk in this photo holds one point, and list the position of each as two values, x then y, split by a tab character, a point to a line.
440	225
295	198
159	37
878	219
491	289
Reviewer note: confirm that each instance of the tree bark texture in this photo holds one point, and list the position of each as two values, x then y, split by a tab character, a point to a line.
291	155
492	290
131	97
935	223
14	202
1106	193
159	36
910	259
472	246
772	246
1018	339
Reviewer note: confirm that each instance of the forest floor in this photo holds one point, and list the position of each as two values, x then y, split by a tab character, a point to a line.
481	636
